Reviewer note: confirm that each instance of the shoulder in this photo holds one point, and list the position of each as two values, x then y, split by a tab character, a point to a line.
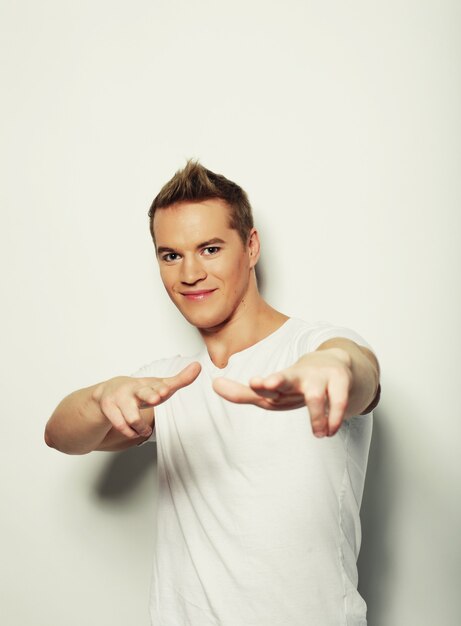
309	336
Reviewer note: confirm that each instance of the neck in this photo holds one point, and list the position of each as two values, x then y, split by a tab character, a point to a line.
254	321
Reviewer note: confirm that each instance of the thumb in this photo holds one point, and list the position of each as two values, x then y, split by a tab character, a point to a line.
185	377
234	391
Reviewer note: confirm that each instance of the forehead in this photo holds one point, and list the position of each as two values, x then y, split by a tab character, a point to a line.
192	222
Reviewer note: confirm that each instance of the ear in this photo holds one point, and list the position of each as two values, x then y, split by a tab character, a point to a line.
254	247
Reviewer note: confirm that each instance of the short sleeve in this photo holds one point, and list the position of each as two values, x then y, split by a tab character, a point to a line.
314	336
323	331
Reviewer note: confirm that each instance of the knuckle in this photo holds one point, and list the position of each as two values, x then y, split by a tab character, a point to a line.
134	421
343	376
106	404
145	392
147	382
314	396
318	422
339	403
97	393
120	426
118	423
162	389
131	414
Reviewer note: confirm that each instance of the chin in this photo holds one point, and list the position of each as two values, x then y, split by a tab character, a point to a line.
206	322
207	325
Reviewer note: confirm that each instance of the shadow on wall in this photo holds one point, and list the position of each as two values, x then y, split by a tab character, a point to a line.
124	471
261	276
377	559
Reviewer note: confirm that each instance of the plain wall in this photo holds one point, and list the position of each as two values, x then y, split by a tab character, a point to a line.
341	119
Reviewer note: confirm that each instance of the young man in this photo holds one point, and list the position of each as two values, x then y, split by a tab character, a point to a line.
262	437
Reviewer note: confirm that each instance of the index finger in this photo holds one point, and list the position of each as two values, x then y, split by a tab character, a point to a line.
185	377
237	392
338	393
278	382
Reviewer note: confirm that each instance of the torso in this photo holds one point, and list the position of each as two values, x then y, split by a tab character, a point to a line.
258	521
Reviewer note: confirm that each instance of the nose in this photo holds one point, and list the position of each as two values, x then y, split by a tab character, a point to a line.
192	271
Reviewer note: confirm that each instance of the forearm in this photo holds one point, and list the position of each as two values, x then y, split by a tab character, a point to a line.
112	415
77	425
364	367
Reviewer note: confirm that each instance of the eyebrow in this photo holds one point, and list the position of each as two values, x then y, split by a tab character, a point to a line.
204	244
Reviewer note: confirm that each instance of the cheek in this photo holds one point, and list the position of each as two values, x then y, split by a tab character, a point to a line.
167	279
237	274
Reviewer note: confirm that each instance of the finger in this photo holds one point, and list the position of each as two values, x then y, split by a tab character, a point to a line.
292	400
338	394
115	417
265	393
316	404
287	403
279	397
279	382
240	394
130	412
149	396
185	377
160	389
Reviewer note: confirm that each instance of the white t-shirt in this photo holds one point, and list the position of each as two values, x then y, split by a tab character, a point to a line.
257	519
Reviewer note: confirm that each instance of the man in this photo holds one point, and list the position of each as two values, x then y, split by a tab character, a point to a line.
258	498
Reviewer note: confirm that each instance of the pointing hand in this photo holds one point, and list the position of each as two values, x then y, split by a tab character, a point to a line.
321	381
121	399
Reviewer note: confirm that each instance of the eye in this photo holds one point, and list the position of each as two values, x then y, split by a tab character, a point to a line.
169	257
210	250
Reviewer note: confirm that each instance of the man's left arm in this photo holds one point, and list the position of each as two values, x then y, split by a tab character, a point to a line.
365	389
338	380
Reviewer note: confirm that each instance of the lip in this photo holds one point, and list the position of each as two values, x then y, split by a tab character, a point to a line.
199	295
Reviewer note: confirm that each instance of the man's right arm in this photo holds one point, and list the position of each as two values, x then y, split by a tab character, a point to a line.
112	415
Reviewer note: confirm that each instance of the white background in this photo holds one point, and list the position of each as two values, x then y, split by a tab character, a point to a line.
342	121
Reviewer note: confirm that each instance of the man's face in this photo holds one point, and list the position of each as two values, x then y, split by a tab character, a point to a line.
203	263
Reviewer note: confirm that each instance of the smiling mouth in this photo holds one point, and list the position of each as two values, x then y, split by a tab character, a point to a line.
198	295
